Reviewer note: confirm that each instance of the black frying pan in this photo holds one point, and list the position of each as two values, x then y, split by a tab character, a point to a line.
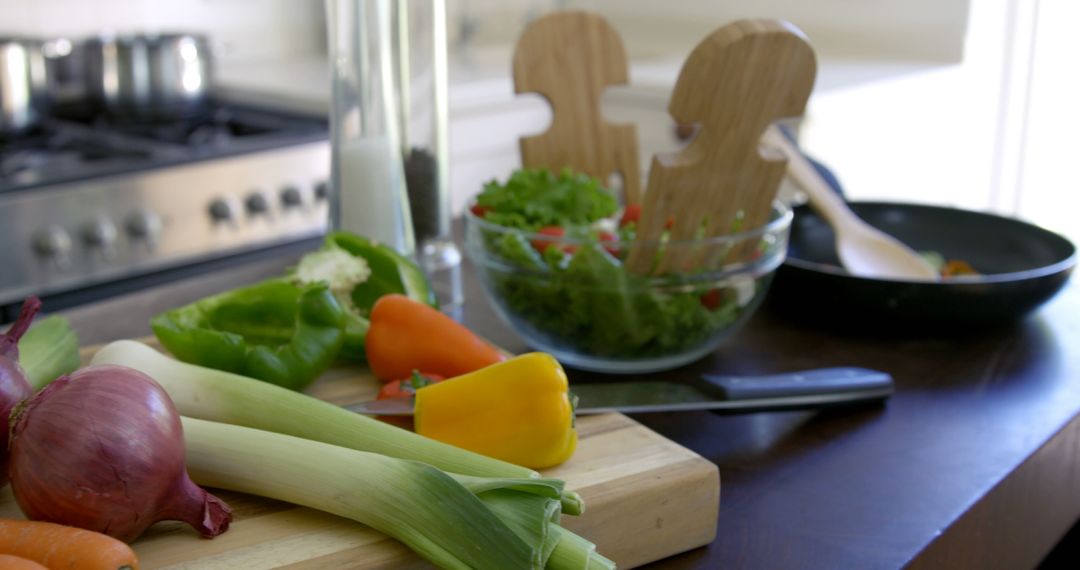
1022	266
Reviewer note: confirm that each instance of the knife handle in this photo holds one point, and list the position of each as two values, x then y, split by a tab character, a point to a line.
846	381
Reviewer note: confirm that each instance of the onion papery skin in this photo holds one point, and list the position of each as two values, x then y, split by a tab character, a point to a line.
103	449
14	387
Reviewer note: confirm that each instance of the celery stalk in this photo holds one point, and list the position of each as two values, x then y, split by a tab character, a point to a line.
48	350
215	395
413	502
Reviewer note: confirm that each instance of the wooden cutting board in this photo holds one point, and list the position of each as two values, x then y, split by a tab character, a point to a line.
646	498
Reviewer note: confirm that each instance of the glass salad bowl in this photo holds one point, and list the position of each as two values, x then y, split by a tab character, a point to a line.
574	294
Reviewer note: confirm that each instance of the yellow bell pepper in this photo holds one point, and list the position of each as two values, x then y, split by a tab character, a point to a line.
518	410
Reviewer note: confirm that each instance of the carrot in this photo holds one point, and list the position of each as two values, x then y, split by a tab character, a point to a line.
9	562
407	335
57	546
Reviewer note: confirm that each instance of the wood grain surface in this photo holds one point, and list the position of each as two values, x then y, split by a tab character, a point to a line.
733	85
646	498
972	463
571	58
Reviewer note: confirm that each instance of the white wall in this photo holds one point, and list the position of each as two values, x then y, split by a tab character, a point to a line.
239	29
898	29
996	132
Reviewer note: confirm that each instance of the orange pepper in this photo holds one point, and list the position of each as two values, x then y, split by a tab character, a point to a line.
407	335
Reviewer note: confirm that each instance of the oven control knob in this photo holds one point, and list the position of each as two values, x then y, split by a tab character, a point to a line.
52	243
99	233
143	225
322	191
220	210
291	197
256	203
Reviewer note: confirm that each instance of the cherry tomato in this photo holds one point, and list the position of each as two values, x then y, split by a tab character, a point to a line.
612	245
631	214
479	211
556	232
711	299
406	387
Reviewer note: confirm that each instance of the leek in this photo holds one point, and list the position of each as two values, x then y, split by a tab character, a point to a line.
544	487
572	551
48	350
530	517
215	395
559	547
454	521
524	503
413	502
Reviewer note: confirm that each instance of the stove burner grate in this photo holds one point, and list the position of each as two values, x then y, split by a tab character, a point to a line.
82	145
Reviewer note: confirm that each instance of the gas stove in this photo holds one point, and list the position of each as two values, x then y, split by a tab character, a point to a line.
91	204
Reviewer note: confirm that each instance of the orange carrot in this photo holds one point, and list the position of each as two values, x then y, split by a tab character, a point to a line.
57	546
407	335
9	562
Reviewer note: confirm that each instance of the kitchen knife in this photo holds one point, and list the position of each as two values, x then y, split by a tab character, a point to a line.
804	390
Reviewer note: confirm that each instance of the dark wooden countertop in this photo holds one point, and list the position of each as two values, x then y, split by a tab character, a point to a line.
974	463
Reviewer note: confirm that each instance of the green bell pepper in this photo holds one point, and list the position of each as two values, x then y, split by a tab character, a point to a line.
359	271
277	331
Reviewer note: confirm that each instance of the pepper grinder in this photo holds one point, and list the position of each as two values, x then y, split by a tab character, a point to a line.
420	75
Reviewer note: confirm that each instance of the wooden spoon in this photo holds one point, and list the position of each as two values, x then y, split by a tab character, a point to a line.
864	250
571	58
734	84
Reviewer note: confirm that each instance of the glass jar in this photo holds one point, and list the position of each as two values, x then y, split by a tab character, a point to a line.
390	133
368	177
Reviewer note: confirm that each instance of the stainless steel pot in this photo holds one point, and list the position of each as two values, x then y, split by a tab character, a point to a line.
149	76
22	94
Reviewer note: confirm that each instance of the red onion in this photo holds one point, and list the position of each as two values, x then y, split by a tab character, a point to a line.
14	387
103	449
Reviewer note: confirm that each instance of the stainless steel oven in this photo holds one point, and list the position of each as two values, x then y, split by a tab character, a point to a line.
93	205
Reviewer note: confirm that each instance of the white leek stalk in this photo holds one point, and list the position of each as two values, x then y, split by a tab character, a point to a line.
413	502
451	520
219	396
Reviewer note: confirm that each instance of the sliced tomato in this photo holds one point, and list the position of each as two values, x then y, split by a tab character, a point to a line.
612	241
631	214
556	232
711	299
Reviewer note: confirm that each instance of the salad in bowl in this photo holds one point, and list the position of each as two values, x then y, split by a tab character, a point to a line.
551	248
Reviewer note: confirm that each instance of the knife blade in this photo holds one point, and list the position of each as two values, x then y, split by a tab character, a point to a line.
802	390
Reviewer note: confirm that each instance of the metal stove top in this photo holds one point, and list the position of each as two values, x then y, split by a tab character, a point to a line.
79	145
88	200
